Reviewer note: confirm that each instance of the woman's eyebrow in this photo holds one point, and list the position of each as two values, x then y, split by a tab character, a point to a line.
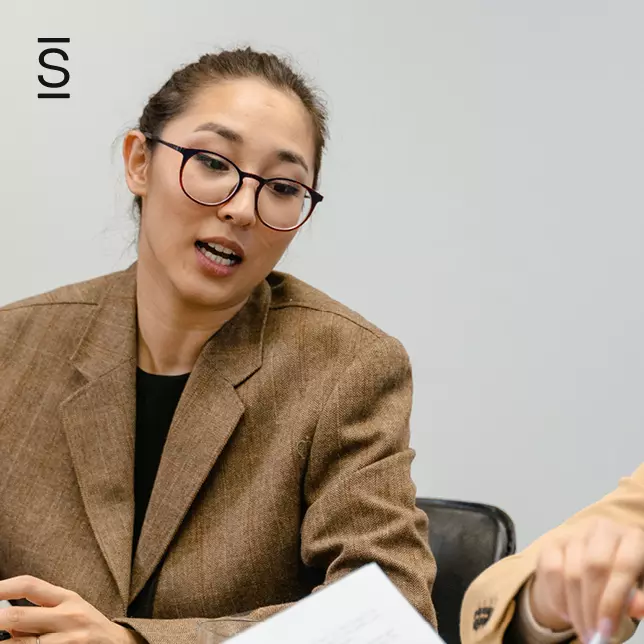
222	130
291	157
286	156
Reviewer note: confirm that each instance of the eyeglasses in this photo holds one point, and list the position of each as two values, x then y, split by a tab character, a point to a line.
211	179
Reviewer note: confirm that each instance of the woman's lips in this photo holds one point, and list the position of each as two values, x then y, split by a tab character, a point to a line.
223	244
216	263
218	251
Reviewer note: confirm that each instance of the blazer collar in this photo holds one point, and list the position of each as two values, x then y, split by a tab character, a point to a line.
110	340
99	422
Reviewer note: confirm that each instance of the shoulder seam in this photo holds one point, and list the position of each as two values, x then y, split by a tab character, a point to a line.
21	307
301	305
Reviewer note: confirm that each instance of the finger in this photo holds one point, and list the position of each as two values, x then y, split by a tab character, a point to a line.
627	568
30	619
550	578
35	590
601	549
23	638
49	638
636	606
572	583
19	634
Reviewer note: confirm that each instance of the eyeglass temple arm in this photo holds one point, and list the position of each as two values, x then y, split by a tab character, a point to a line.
149	137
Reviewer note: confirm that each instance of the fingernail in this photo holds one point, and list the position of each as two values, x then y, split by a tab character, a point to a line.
598	638
606	627
603	634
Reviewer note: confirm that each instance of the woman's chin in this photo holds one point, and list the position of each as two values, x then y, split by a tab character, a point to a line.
218	295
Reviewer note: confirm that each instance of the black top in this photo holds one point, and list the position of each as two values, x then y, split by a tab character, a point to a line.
157	398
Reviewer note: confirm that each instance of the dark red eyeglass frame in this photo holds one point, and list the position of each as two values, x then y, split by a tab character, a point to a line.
188	153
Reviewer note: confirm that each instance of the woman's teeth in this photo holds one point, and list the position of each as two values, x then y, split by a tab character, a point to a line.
220	249
218	259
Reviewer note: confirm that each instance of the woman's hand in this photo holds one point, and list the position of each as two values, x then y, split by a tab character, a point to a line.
586	579
60	617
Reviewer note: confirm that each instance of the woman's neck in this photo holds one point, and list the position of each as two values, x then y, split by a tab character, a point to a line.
171	332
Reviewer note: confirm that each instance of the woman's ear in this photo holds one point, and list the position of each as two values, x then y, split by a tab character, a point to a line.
136	160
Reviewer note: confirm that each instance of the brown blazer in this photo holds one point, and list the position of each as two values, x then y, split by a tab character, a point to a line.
489	603
286	466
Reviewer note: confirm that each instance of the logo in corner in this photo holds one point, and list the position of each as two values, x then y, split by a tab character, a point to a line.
42	59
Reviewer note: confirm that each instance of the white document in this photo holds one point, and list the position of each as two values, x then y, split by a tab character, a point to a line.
362	608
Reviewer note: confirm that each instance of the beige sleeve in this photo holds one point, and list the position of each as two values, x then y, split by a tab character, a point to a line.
527	627
490	603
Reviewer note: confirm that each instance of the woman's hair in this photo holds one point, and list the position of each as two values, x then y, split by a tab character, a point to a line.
174	97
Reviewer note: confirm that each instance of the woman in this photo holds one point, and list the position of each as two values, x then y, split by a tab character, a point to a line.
287	462
580	581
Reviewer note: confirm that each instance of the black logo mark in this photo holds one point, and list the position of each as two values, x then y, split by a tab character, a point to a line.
56	68
482	617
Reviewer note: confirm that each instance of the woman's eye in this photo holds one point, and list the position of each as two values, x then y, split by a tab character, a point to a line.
286	189
213	163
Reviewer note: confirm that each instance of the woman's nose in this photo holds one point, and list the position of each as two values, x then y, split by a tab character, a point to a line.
241	208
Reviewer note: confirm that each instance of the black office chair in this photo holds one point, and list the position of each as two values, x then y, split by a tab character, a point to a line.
466	538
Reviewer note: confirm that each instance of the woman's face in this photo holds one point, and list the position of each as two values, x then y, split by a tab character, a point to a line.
262	130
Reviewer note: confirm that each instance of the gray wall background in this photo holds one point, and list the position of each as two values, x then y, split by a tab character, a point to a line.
484	203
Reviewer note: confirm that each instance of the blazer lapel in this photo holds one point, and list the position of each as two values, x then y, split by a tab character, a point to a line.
99	419
207	414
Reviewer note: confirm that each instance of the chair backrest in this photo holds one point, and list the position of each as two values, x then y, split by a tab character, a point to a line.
466	538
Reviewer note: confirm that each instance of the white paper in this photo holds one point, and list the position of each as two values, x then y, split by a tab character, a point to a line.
362	608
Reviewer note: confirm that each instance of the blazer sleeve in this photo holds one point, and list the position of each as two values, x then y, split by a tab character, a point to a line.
490	602
358	491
